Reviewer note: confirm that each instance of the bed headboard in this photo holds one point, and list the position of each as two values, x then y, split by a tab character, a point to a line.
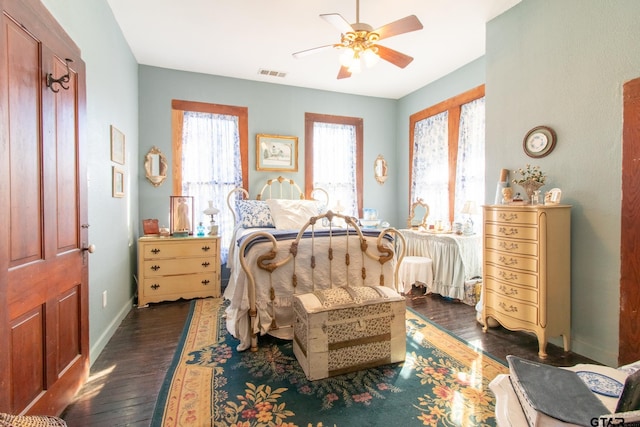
275	188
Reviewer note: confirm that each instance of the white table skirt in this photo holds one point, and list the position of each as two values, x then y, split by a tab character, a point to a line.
456	259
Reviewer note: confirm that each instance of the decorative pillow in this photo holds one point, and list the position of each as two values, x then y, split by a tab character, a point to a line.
254	214
292	214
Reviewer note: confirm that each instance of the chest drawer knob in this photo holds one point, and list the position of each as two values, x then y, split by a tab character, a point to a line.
205	248
508	216
205	264
155	286
510	246
508	275
155	267
205	282
508	261
508	291
155	251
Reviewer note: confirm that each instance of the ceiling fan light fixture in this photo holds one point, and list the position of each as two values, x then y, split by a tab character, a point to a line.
370	56
346	57
355	66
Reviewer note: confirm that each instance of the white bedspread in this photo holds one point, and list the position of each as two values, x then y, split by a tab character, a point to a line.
323	276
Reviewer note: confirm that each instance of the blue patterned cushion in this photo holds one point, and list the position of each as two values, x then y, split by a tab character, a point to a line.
254	213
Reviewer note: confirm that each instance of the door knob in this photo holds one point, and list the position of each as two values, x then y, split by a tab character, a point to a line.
91	248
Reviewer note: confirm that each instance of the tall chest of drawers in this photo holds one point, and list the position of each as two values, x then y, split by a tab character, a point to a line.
173	268
527	270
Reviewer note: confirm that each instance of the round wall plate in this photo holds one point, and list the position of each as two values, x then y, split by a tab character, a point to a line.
539	141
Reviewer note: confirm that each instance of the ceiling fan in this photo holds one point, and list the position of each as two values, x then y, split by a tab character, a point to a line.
359	41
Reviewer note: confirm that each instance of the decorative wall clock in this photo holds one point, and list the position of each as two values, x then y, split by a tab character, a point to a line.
539	141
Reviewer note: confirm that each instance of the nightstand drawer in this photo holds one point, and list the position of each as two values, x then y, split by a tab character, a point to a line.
171	267
179	249
160	287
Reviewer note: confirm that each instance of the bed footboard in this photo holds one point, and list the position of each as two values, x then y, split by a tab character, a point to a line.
329	251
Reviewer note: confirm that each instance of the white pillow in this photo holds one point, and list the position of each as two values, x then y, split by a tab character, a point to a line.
291	214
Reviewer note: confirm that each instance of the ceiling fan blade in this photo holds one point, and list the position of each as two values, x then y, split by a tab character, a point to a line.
401	26
344	73
311	51
338	21
398	59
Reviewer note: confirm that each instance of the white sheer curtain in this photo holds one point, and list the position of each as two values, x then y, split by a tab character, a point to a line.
334	164
430	172
470	164
211	167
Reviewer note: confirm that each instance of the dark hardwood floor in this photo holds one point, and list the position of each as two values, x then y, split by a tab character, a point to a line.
126	377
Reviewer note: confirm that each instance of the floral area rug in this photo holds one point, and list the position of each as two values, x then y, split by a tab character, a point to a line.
443	382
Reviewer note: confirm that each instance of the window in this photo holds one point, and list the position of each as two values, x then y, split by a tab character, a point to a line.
446	152
210	144
333	159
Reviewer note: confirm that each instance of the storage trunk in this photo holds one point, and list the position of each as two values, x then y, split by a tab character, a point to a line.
346	329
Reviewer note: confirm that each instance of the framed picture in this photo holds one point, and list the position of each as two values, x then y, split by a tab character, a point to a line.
553	196
118	181
276	153
117	145
181	215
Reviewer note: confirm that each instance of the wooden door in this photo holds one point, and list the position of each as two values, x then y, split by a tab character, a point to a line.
629	346
44	272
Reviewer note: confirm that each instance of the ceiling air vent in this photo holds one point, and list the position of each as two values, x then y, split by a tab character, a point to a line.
271	73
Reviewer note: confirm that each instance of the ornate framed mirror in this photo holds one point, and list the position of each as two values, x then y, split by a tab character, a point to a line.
380	169
155	166
418	214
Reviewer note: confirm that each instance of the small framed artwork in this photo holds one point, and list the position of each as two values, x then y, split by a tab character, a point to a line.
553	196
118	182
276	153
181	215
117	145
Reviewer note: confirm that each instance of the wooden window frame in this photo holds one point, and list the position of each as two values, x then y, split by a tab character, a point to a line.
309	120
178	107
453	106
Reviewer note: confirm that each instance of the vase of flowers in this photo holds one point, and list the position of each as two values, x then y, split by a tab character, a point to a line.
531	179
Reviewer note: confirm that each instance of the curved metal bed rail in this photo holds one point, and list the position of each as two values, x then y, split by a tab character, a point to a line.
379	252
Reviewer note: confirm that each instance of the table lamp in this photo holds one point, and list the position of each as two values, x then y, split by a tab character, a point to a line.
470	208
212	211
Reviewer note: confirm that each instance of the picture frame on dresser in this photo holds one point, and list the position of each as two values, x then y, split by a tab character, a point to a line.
181	216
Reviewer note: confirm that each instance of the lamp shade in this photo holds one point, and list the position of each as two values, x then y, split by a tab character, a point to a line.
470	208
211	210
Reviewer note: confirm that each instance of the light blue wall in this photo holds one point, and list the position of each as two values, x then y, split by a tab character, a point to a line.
112	98
559	63
563	64
273	109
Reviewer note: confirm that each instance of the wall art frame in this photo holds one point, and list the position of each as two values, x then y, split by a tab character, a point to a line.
118	182
117	146
276	153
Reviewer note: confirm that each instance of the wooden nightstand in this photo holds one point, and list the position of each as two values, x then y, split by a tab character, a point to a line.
173	268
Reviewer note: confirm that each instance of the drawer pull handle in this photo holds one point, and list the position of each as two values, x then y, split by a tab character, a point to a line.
155	251
155	286
205	264
509	309
508	261
205	248
509	246
509	276
155	267
510	291
508	217
205	282
508	231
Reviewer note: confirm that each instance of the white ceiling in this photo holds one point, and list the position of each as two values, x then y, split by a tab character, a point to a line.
237	38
